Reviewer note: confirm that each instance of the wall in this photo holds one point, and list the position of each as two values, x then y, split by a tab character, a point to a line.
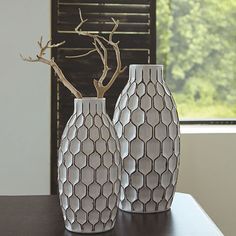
207	171
24	99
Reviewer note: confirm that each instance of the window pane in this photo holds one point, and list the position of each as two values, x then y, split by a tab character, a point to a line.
196	41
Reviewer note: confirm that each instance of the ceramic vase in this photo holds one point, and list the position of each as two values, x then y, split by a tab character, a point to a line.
147	125
89	169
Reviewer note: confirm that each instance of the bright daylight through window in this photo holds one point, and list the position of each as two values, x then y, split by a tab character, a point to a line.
196	41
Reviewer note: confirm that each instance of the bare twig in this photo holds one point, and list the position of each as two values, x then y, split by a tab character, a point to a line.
40	58
114	28
82	55
100	88
103	58
82	21
96	41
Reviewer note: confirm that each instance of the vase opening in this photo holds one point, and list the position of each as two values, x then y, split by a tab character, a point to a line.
90	105
147	65
146	73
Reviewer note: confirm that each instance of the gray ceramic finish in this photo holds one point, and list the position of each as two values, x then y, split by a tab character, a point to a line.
147	126
89	169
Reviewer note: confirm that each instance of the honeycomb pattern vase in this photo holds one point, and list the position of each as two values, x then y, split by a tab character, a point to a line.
89	169
147	126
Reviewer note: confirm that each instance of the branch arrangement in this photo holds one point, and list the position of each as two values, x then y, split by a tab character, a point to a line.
100	44
40	58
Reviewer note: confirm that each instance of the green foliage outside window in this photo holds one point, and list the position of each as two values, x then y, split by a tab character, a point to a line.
196	42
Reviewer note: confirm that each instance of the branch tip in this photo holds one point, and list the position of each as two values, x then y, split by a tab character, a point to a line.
40	58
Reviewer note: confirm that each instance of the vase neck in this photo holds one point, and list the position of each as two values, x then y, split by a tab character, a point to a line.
146	73
90	105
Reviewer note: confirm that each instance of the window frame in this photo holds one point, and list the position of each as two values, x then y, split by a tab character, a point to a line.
208	121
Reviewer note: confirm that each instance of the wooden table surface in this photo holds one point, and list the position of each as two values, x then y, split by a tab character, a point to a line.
41	215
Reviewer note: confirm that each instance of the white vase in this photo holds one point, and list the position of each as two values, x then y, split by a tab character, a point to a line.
147	125
89	169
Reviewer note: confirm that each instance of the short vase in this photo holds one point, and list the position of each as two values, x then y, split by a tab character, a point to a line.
147	126
89	169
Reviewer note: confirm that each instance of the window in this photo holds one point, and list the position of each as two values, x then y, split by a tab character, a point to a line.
196	41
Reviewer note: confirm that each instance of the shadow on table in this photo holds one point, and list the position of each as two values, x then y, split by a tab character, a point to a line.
139	224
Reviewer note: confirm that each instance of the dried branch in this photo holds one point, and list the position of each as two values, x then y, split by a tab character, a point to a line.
98	42
114	28
103	58
40	58
82	55
100	88
82	21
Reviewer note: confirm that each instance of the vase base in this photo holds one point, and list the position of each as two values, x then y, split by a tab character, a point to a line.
144	212
87	232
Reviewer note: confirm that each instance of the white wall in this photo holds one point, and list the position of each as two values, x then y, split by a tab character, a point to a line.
24	99
208	172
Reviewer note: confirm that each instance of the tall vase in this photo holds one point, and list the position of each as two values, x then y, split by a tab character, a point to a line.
89	169
147	125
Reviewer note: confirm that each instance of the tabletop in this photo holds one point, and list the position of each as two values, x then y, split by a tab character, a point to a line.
41	215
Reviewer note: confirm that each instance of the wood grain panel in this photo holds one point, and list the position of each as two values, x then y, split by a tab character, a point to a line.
136	34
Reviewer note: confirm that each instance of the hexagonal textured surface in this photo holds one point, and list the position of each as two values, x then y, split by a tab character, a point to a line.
89	169
147	126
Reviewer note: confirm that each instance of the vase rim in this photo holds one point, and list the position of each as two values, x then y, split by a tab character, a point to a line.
89	99
146	65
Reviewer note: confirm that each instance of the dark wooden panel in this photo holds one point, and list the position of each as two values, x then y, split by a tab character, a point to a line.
107	27
54	138
85	85
73	17
132	40
136	33
90	92
94	57
105	8
74	2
